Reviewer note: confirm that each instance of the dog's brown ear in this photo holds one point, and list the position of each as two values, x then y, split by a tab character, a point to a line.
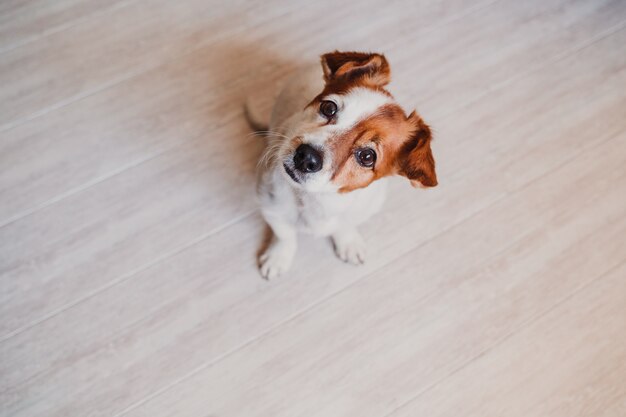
372	68
415	159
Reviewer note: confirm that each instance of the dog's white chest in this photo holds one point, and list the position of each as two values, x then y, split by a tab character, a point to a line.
320	215
324	214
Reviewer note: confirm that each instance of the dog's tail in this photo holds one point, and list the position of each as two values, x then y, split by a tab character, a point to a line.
258	120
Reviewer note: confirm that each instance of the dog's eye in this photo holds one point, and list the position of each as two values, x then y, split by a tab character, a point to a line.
328	108
366	157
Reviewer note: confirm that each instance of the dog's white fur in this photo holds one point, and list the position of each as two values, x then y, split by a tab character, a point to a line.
313	206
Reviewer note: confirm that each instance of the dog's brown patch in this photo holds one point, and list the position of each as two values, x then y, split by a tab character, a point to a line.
416	161
344	71
369	69
402	145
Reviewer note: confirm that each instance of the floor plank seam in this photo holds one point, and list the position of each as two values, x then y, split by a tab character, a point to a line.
76	98
127	276
66	26
128	76
83	187
526	72
524	325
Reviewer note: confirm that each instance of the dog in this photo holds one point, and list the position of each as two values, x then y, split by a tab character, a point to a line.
334	135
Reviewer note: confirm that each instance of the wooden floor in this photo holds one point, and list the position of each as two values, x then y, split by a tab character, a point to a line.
128	226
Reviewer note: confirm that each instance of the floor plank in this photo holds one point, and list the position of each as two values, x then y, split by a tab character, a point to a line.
563	364
26	21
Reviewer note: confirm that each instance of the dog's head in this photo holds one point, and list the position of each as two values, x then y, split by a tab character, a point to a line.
354	132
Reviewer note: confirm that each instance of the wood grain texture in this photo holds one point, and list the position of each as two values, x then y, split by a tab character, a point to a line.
438	316
23	21
128	231
182	119
135	129
511	379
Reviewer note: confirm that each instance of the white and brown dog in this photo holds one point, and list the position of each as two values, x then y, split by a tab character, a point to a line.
332	138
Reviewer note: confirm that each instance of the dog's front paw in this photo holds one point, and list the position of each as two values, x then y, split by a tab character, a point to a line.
277	259
350	247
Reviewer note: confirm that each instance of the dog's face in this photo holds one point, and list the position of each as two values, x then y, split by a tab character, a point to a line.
353	132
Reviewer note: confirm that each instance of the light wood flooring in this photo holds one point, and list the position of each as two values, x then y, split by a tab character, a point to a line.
129	231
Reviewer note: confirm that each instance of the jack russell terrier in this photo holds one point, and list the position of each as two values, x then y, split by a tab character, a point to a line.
333	136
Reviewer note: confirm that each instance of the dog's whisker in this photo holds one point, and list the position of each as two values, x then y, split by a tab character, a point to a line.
269	133
270	154
271	151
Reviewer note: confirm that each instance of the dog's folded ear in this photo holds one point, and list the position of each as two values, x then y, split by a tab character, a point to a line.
371	68
415	158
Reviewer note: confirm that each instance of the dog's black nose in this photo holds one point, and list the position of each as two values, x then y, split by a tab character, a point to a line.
307	159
